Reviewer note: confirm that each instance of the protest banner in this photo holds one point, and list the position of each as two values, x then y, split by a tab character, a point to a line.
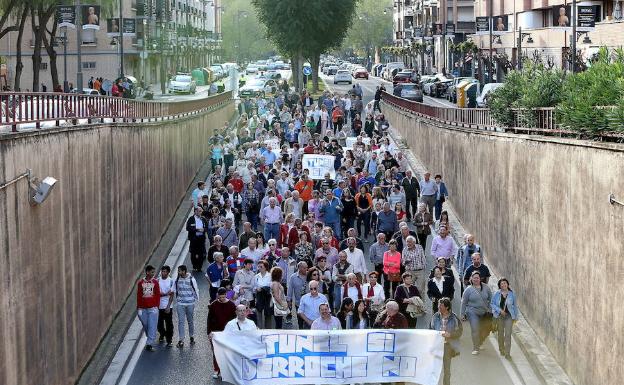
274	143
284	357
319	165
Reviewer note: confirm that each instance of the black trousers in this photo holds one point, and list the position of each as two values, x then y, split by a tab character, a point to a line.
411	207
422	240
165	324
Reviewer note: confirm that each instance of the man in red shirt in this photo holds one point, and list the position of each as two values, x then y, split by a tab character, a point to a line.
305	186
236	182
220	312
148	299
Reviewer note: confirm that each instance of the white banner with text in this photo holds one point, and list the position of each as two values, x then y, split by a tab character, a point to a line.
319	165
284	357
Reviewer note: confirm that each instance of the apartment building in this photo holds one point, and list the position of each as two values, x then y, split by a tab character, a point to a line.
168	36
434	26
546	28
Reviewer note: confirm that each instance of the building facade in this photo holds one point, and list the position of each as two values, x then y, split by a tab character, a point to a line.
431	28
169	36
543	29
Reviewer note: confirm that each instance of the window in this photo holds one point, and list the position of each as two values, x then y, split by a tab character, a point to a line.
88	65
43	66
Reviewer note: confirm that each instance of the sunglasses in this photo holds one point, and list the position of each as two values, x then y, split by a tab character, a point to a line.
314	289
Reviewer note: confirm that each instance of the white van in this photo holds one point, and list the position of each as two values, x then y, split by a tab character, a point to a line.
387	71
482	98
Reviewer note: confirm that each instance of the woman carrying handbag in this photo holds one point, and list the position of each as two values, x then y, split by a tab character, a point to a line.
280	306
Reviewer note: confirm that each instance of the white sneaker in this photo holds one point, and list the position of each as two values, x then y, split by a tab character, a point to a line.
216	375
475	352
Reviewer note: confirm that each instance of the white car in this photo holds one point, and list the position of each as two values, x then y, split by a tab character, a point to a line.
482	98
182	84
343	76
251	69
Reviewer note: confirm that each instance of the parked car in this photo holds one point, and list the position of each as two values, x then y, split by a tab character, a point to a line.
360	72
441	87
412	91
428	84
218	71
258	87
182	84
388	70
343	76
487	89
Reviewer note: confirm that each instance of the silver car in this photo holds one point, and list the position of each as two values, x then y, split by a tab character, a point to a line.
411	92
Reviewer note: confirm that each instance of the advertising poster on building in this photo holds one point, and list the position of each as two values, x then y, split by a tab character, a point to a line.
586	17
91	17
112	27
562	16
66	16
483	24
501	24
450	29
129	27
286	357
437	30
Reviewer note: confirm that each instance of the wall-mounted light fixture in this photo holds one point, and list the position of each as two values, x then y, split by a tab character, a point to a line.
613	201
38	192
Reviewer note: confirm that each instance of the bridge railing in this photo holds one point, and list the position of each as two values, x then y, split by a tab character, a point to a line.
541	119
39	110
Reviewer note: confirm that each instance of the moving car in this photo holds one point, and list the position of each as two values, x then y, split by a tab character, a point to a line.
251	69
429	83
360	72
387	71
182	84
487	89
343	76
258	87
332	70
412	91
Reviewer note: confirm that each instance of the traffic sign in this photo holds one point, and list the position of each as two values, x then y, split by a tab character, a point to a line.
307	71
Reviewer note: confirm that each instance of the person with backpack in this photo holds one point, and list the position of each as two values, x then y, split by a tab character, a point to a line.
187	294
148	300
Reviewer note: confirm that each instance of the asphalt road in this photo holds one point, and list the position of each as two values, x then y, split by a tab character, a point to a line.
193	364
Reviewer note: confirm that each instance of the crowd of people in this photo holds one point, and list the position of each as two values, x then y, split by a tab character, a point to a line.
279	248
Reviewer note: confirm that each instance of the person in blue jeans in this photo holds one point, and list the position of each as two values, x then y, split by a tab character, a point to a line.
331	207
441	196
271	215
505	313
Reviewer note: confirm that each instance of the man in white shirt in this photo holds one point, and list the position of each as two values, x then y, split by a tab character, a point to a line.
241	322
165	316
355	257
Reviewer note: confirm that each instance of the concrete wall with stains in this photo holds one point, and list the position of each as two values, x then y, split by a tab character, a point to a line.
539	208
67	265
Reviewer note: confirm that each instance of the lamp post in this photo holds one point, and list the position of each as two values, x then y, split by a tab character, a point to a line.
521	36
238	15
491	61
78	46
121	45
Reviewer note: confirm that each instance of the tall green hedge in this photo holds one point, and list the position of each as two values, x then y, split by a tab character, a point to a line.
590	102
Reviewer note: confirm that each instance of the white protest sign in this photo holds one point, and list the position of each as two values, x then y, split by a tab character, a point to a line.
351	140
285	357
274	143
319	165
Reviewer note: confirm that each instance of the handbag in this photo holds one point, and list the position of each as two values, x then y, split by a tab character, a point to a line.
279	310
394	277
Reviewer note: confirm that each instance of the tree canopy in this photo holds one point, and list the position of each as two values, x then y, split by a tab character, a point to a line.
304	29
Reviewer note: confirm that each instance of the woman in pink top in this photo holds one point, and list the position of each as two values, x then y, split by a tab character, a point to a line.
391	264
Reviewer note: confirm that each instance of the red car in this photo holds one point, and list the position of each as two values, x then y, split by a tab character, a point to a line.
402	77
360	73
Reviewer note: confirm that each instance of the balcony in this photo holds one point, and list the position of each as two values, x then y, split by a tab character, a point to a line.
466	27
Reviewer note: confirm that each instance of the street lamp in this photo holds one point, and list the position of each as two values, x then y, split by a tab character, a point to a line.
238	16
521	36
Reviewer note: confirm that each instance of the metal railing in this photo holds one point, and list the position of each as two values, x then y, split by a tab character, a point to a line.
31	110
467	117
535	120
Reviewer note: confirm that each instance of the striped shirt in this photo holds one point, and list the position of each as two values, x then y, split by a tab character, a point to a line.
186	290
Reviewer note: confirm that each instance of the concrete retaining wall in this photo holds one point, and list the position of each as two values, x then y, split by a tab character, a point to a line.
539	208
67	266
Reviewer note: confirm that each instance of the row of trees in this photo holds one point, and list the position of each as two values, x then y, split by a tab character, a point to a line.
39	14
243	34
590	102
303	30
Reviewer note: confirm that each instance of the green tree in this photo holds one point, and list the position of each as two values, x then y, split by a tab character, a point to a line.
250	32
371	28
304	29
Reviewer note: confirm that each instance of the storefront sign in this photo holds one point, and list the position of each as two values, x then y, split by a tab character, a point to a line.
586	16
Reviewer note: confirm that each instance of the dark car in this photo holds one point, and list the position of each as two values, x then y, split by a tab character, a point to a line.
441	87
